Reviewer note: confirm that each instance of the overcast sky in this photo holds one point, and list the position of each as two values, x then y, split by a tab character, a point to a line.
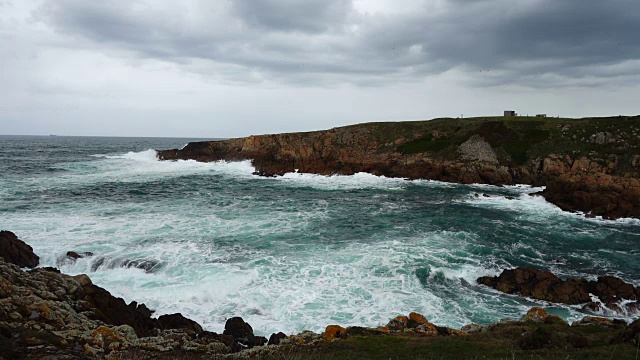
225	68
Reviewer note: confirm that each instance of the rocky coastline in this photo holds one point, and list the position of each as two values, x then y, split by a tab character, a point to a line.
587	165
45	314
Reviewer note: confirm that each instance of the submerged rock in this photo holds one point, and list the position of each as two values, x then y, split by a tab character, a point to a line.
148	265
16	251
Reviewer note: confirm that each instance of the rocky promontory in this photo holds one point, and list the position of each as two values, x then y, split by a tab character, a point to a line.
45	314
590	165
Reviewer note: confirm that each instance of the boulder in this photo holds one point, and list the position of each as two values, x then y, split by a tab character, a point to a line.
275	339
334	332
399	323
540	315
237	328
16	251
177	321
242	334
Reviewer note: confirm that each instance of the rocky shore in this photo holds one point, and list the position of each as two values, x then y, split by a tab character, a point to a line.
587	165
45	314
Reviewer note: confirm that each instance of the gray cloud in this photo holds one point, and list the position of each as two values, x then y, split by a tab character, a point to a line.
531	42
312	16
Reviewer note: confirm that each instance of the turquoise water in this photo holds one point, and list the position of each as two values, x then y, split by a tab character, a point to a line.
295	252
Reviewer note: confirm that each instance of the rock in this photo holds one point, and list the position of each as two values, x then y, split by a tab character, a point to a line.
603	137
416	319
242	334
74	255
15	251
363	331
472	328
477	149
334	332
275	339
537	314
599	321
177	321
148	265
237	328
544	285
399	323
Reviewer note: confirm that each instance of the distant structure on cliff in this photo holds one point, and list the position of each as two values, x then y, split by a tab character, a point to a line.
510	113
541	115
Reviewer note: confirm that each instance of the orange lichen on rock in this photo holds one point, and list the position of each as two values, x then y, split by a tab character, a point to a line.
538	314
333	332
418	318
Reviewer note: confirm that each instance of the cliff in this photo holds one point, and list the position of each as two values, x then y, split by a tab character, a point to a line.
590	165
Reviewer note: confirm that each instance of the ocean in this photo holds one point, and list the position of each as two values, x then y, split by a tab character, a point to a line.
295	252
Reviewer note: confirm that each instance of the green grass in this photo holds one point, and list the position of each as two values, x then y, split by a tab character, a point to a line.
520	341
516	140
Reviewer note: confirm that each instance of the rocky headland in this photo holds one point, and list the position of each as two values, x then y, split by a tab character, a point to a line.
589	165
45	314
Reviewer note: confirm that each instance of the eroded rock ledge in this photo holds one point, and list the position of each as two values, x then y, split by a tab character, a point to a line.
581	171
607	293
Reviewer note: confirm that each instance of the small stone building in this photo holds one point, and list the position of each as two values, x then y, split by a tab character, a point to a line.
509	113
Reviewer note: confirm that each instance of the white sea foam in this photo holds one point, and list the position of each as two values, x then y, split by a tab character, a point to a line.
268	259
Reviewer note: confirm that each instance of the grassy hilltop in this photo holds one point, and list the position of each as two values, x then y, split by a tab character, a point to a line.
515	139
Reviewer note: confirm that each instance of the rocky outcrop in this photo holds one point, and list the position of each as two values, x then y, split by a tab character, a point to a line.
242	333
595	193
16	251
46	313
598	184
544	285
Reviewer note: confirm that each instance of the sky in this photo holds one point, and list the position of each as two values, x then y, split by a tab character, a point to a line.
231	68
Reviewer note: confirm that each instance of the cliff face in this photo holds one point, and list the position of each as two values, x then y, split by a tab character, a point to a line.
589	165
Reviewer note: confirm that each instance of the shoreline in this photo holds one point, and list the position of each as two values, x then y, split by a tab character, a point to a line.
590	165
69	316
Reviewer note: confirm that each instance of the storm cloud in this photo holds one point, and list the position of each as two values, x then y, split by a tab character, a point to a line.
238	67
334	40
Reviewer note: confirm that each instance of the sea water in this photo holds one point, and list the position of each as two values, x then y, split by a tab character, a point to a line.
295	252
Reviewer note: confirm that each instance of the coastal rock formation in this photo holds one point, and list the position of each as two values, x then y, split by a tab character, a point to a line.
598	177
15	251
543	285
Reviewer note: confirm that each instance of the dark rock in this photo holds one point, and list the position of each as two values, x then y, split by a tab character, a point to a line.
363	331
177	321
15	251
148	265
48	269
97	264
237	328
115	311
212	336
544	285
275	339
74	255
242	334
